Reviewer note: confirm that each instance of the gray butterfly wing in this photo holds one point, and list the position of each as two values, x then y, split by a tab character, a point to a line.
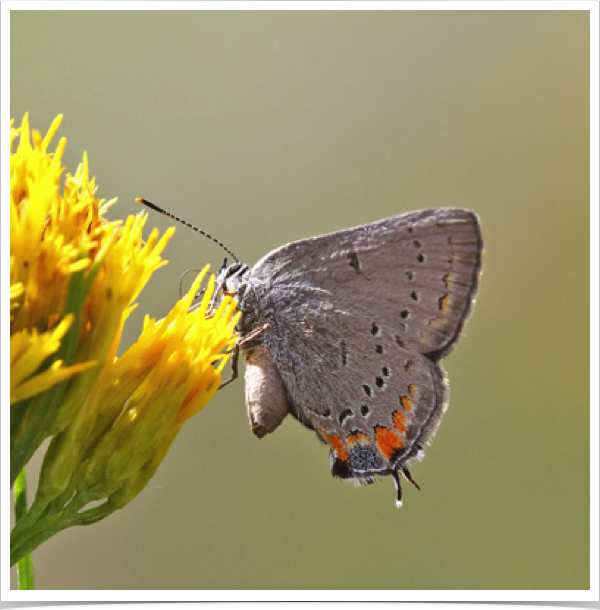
358	320
418	271
374	402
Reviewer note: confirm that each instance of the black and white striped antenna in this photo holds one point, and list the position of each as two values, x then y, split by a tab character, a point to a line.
154	207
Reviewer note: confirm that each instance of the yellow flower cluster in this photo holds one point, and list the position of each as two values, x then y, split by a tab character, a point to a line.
42	259
74	279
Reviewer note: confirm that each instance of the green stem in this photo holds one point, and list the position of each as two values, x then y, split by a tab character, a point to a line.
25	564
30	539
24	540
25	537
25	573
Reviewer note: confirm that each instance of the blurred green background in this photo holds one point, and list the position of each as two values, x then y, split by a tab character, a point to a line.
266	127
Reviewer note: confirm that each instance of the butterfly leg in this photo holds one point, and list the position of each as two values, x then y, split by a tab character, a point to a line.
235	352
408	477
398	488
406	474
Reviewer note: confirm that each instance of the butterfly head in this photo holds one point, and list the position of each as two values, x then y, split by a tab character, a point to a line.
232	279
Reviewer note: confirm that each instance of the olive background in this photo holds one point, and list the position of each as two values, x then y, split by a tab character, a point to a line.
264	127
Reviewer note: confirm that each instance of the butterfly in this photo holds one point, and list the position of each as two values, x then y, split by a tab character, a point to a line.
346	331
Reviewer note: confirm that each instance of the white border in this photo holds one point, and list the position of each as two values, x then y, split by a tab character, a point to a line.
7	594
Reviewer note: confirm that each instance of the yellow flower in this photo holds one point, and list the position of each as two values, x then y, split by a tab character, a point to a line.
74	279
139	403
28	350
67	263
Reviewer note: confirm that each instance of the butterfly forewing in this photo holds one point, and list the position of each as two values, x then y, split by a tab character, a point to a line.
416	273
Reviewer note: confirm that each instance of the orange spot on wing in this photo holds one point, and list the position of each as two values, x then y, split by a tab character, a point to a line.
407	403
387	441
412	389
336	444
444	303
449	279
357	437
400	422
434	323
